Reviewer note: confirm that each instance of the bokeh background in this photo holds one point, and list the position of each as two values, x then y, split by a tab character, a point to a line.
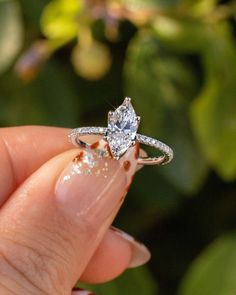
67	62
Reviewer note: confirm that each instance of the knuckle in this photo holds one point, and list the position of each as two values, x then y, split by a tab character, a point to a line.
23	265
33	265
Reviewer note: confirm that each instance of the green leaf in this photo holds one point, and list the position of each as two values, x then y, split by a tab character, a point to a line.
213	112
11	32
59	21
214	271
198	8
148	4
162	85
177	33
134	281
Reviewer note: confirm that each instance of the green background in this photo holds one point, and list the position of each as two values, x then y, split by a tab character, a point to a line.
177	60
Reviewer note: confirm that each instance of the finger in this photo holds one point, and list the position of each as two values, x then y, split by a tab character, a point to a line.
117	251
78	291
140	152
52	225
25	149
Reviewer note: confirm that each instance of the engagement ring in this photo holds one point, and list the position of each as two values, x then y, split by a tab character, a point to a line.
121	134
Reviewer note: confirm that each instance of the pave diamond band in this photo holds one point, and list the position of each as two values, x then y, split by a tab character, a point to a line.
121	134
143	139
162	147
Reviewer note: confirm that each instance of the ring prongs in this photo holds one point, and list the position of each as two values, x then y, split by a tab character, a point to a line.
138	118
127	101
121	134
133	143
110	113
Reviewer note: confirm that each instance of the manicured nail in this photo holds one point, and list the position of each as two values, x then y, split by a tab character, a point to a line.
140	253
78	291
94	184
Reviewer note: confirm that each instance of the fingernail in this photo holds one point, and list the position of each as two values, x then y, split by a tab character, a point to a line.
94	184
140	253
78	291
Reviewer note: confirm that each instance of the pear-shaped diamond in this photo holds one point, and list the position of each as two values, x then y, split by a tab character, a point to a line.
122	127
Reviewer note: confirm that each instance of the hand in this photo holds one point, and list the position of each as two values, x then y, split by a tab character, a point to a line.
57	205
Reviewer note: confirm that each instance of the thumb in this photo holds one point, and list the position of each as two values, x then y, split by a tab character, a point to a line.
53	223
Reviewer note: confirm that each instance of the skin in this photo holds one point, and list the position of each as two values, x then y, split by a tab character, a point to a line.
44	248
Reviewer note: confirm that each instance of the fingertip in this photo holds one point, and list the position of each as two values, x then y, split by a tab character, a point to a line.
78	291
111	258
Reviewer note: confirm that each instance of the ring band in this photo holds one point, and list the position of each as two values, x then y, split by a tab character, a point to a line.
121	134
162	147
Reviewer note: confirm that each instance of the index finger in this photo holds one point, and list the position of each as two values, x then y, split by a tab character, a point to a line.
24	149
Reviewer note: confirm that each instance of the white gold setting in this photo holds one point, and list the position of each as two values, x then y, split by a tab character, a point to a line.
121	134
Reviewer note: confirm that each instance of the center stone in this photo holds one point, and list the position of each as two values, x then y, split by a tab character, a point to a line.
122	127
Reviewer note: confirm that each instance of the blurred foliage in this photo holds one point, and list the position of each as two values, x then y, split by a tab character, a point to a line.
64	62
214	272
11	33
136	281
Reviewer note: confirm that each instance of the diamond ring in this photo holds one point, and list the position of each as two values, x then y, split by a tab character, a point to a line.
121	134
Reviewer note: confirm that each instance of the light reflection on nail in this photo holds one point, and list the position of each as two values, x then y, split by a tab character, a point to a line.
87	161
93	184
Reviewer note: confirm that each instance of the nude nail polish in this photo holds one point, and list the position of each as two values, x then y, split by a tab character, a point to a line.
94	184
78	291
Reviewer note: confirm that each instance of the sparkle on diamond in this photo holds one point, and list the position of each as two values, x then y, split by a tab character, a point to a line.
122	128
